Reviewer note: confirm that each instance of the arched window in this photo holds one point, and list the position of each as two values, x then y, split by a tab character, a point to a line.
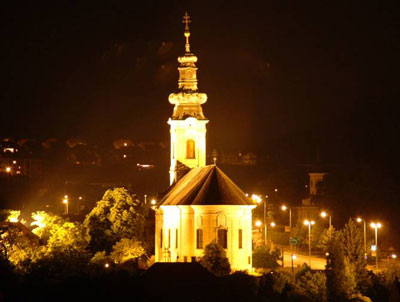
190	149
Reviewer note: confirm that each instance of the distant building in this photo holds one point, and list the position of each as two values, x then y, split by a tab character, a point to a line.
308	208
203	204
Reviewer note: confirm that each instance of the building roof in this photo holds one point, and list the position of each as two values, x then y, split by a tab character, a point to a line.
205	186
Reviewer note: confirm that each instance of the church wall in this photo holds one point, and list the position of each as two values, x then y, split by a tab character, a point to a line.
187	219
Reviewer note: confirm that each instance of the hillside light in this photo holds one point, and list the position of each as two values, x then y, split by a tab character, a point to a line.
153	202
273	224
394	256
359	220
258	223
106	265
256	198
8	169
376	226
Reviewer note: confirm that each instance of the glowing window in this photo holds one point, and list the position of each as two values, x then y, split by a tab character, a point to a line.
190	149
199	238
223	238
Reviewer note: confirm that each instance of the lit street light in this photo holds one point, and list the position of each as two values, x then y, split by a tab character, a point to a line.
65	201
284	208
258	223
309	224
257	199
365	236
153	202
293	258
376	226
324	215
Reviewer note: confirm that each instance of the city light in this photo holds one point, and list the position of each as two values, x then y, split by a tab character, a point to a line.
394	256
106	265
358	219
273	224
256	198
258	223
153	202
284	208
294	257
323	214
376	225
306	222
8	169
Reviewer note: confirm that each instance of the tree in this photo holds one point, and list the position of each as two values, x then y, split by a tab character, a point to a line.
69	237
126	250
118	215
340	274
45	224
353	248
312	286
214	259
264	258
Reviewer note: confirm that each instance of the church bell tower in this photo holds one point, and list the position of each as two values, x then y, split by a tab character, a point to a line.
188	123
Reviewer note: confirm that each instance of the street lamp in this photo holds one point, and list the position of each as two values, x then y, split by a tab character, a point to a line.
65	201
8	169
284	208
257	199
258	223
376	226
324	215
309	224
153	202
365	235
293	258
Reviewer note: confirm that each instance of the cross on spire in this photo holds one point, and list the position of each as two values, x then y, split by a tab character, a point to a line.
186	21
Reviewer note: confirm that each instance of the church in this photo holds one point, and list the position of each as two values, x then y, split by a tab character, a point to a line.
202	204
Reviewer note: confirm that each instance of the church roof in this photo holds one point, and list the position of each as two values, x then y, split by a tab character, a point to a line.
205	186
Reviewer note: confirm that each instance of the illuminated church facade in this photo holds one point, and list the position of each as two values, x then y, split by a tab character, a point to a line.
202	204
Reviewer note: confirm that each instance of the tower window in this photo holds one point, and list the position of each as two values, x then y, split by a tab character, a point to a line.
190	149
161	237
223	238
199	238
169	238
240	238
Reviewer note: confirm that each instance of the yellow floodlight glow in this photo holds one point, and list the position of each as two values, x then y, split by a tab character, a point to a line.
376	225
256	198
294	257
65	201
394	256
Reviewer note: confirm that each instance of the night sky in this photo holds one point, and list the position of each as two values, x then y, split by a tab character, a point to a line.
282	78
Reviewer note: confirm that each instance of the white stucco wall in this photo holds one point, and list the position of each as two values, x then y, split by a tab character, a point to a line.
187	219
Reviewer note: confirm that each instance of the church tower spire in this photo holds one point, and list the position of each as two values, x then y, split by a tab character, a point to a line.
188	123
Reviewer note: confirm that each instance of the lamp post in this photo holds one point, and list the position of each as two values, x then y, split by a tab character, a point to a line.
65	201
309	224
376	226
324	215
365	236
284	208
256	198
293	258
